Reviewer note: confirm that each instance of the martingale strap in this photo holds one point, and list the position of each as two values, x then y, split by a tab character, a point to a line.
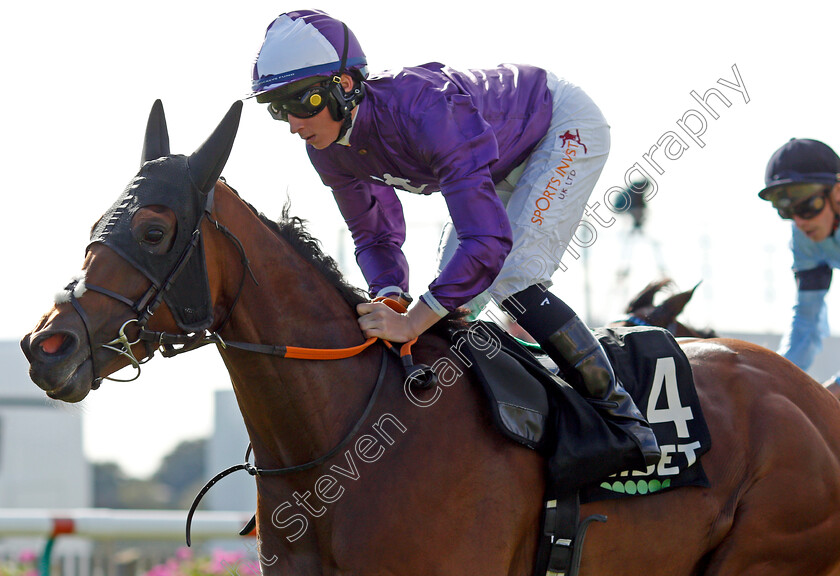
257	471
418	374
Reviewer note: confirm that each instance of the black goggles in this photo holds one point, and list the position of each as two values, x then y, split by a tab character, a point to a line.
806	200
302	105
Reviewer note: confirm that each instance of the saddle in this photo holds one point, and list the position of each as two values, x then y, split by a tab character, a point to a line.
533	405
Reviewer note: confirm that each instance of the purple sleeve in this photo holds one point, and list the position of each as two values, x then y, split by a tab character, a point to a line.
375	218
459	146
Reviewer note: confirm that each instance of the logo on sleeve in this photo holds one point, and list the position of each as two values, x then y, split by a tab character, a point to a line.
401	183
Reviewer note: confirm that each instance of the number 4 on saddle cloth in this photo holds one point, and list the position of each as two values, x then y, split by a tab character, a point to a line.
586	459
584	454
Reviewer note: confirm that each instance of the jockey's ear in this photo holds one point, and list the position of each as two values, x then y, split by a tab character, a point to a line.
347	82
834	197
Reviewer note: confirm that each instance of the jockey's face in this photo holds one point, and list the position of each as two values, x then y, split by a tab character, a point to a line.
320	130
821	226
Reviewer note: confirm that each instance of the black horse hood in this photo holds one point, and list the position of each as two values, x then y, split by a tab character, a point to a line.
185	185
165	182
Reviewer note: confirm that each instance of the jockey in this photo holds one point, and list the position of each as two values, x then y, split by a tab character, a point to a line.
803	184
514	150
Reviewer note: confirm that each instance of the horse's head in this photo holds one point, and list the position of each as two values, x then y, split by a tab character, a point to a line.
643	312
145	258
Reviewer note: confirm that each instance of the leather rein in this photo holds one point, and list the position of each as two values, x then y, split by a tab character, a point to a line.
170	344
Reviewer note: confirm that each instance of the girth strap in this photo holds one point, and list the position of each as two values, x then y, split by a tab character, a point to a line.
561	542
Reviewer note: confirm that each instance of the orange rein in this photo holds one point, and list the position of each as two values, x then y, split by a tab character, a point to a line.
327	353
339	353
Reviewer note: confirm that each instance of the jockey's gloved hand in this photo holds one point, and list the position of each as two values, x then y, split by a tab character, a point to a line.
396	293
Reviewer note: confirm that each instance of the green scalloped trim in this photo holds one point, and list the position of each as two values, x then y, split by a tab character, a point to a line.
633	487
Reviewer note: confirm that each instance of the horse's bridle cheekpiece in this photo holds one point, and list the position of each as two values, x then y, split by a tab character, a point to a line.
178	277
156	185
185	185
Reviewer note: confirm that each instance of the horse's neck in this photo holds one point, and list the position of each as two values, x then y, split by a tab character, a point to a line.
294	409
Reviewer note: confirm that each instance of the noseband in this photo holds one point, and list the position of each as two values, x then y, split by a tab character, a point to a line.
121	345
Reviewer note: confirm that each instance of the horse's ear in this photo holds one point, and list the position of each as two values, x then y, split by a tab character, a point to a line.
673	306
207	162
156	143
645	298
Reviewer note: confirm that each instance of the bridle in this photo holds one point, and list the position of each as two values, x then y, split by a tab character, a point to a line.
170	344
639	321
144	307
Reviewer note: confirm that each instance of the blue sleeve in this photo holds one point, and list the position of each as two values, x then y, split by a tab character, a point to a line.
375	218
803	338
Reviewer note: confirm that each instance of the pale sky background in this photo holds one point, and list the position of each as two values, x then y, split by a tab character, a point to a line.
79	79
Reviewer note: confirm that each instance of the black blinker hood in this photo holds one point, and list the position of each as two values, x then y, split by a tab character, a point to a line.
184	185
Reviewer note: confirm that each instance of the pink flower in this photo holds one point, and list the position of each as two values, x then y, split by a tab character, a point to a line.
183	553
225	562
159	570
250	568
27	556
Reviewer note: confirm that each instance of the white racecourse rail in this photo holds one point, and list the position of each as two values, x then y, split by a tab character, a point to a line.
111	524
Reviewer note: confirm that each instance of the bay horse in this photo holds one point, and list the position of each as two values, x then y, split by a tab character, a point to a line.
381	482
643	312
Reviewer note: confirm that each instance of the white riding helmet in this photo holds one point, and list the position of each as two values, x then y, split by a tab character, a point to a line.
304	44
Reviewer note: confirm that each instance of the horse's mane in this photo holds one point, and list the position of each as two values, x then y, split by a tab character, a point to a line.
292	229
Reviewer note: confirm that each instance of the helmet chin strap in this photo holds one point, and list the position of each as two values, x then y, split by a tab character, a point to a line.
345	108
345	126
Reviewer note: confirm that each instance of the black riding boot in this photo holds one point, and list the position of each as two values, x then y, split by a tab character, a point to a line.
568	341
575	344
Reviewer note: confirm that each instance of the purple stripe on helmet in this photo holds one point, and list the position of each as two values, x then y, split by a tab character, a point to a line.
272	81
276	49
331	29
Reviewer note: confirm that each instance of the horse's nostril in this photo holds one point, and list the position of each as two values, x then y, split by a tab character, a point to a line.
52	344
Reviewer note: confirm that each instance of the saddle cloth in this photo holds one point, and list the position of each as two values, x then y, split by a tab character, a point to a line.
534	407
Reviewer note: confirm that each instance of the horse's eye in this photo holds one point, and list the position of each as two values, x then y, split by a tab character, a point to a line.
153	236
